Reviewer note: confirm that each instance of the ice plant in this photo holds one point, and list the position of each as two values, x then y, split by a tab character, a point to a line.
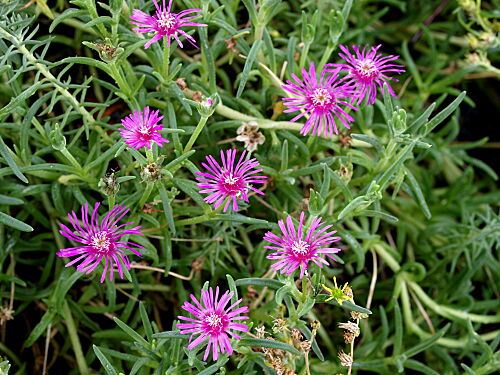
297	247
213	321
141	129
324	100
337	293
366	70
100	240
165	23
229	182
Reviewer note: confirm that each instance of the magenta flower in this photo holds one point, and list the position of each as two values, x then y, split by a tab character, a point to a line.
229	181
141	129
297	247
366	70
213	321
100	241
320	100
165	23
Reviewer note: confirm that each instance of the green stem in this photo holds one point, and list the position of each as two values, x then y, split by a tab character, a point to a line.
111	201
90	4
75	341
194	220
87	117
388	259
166	60
123	85
196	133
230	113
246	241
237	257
149	155
259	33
72	160
324	59
303	55
146	194
145	287
449	312
414	327
444	311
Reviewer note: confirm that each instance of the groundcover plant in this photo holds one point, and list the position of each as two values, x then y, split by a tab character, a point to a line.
249	187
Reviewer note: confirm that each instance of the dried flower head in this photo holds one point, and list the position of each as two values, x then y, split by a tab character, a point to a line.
100	240
260	332
315	324
348	291
357	315
181	82
337	293
249	134
165	23
213	321
351	327
197	96
305	346
6	314
297	247
141	129
277	364
152	172
107	51
229	182
366	70
324	101
348	337
231	44
345	359
109	184
295	334
279	325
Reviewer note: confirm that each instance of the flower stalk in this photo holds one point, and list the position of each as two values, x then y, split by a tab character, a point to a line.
196	133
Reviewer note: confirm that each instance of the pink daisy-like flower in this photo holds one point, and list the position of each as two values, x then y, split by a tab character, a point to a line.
321	100
213	321
229	181
295	248
366	70
142	129
100	241
165	23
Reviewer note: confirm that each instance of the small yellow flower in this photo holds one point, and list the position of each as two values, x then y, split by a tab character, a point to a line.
336	293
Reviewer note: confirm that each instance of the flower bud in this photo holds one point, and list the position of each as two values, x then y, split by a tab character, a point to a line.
206	107
57	139
109	185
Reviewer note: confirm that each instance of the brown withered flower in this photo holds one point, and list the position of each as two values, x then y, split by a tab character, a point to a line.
296	334
305	346
181	82
345	359
279	325
348	337
197	96
357	315
351	327
348	292
249	134
345	139
231	44
260	332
